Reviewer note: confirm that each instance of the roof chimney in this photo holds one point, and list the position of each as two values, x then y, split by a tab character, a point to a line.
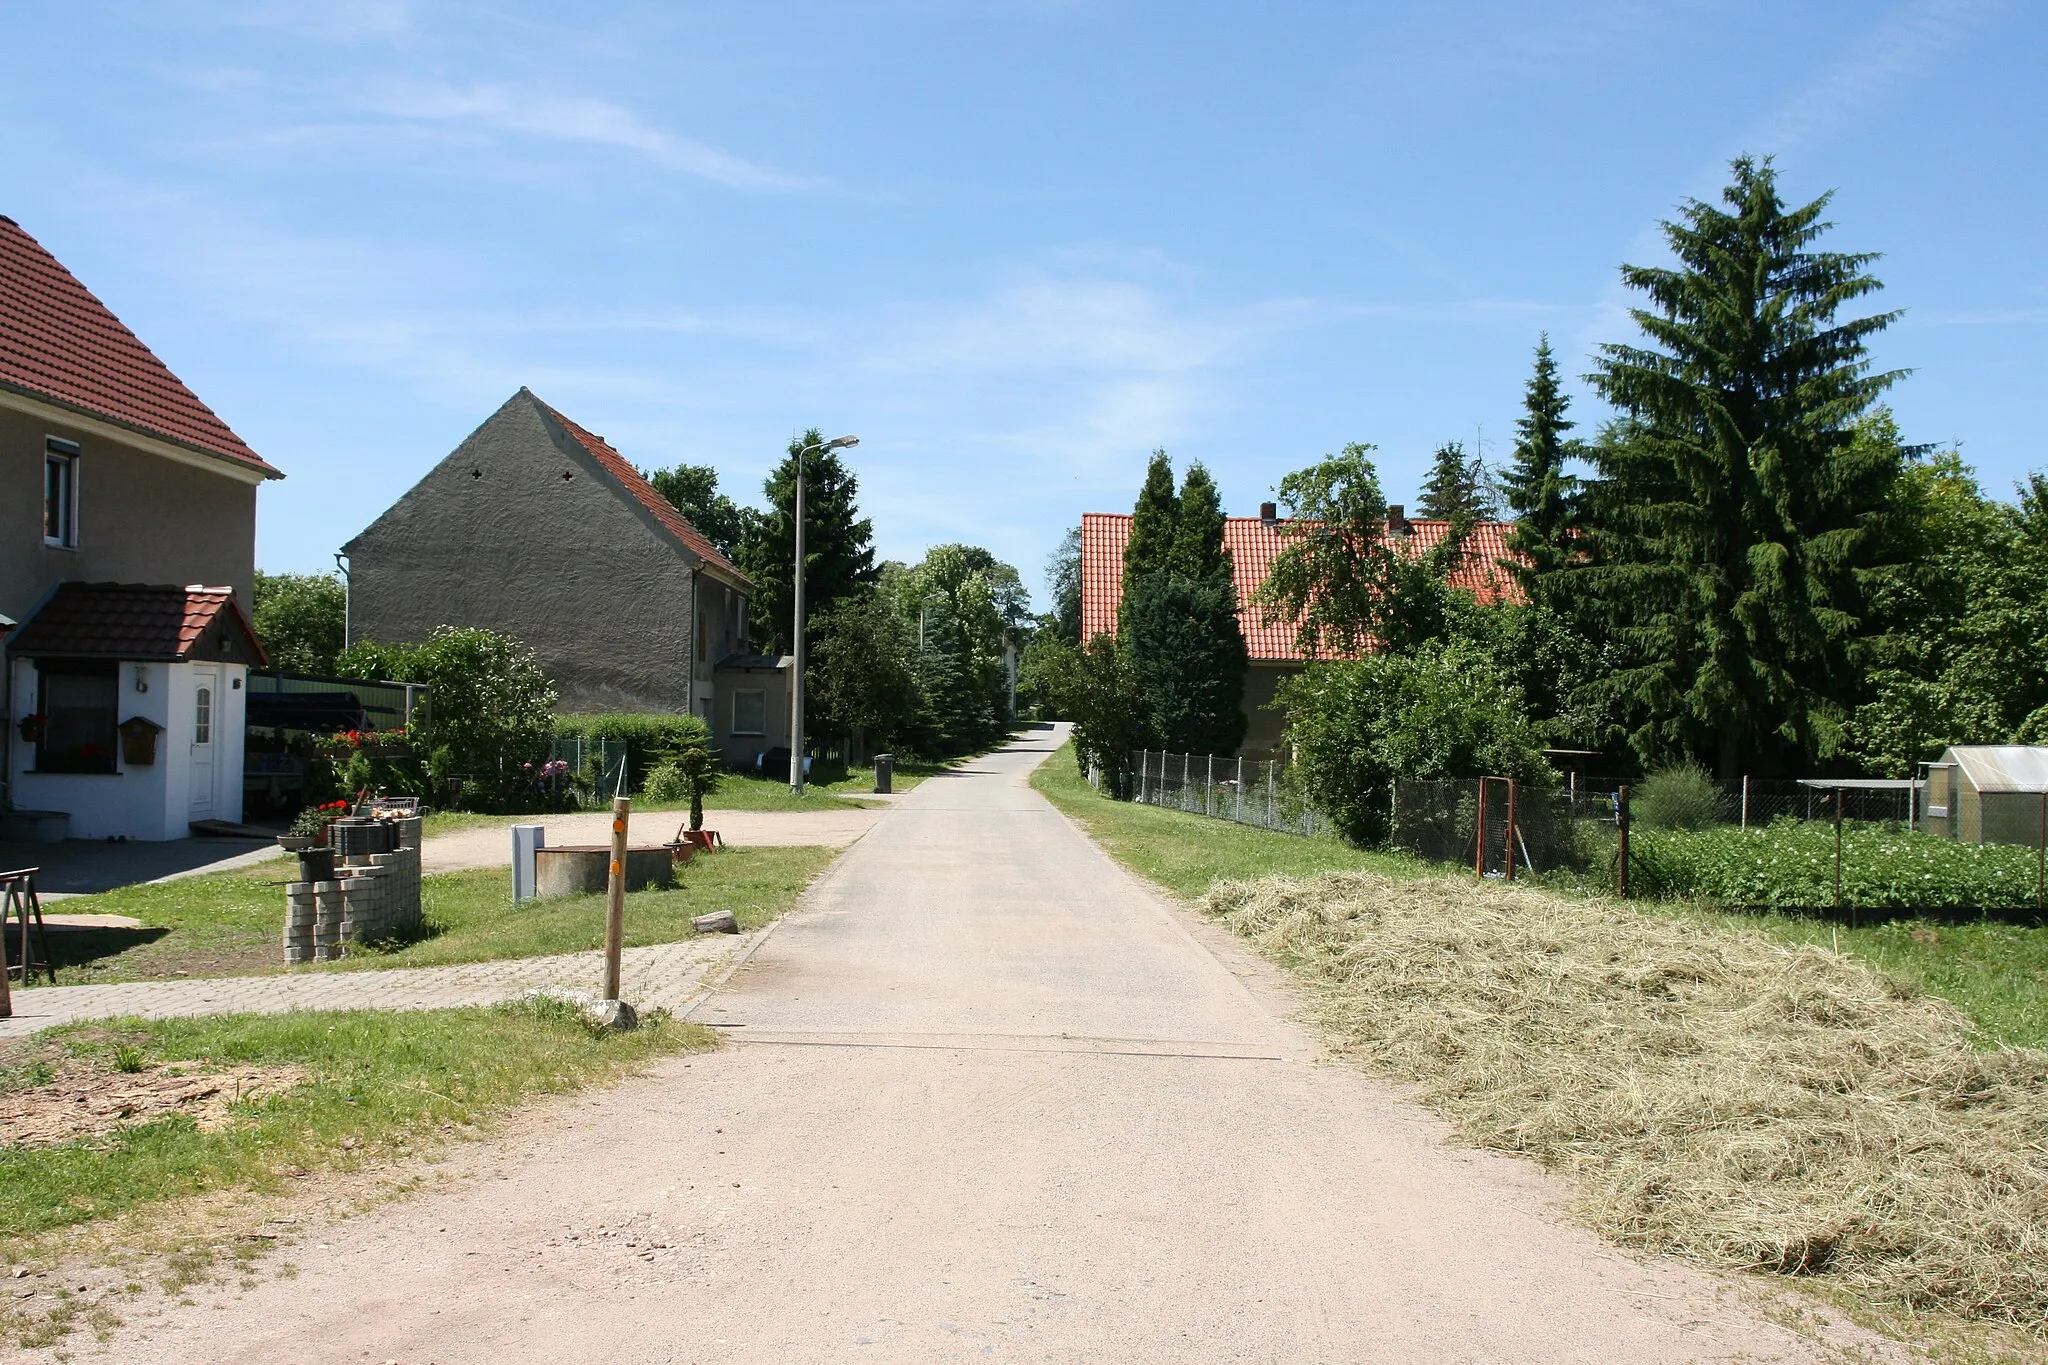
1397	518
1269	515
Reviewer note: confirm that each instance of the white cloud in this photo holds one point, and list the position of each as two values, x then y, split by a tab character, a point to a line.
574	118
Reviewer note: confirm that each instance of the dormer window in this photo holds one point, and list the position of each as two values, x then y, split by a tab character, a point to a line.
60	493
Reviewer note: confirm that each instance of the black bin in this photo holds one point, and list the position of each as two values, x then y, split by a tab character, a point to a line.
885	774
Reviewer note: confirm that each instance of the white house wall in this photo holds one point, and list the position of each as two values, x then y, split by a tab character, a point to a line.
153	802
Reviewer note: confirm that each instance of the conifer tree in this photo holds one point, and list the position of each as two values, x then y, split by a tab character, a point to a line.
1542	496
1155	523
1455	490
1736	512
1198	551
839	553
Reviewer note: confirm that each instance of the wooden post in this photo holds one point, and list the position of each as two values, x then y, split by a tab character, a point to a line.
1511	829
1745	800
615	899
2040	862
6	996
1621	825
1479	835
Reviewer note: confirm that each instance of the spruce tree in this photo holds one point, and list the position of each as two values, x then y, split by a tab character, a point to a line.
1542	496
839	553
1155	523
1736	512
1190	661
1198	551
1455	490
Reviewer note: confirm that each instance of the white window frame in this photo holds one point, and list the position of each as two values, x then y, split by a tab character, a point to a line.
62	453
760	692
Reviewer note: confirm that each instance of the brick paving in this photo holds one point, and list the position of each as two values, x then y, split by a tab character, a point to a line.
664	975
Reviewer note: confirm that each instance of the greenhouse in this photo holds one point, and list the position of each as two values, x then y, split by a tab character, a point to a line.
1988	794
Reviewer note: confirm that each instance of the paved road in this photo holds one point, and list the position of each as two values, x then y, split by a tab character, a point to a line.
991	1099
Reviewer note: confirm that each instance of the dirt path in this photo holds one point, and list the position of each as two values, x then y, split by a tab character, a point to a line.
990	1099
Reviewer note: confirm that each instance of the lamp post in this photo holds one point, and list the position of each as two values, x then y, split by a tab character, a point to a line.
796	667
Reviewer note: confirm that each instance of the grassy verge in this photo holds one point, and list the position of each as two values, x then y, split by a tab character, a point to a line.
229	923
1186	853
370	1088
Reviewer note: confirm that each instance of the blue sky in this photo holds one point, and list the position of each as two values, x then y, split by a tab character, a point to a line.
1013	245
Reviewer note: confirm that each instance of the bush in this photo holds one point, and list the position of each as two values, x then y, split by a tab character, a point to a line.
666	783
1790	864
650	737
1441	712
492	707
1681	796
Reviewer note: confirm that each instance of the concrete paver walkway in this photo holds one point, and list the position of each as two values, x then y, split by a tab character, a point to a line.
666	975
991	1099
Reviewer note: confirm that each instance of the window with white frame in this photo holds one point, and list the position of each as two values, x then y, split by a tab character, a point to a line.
60	492
750	713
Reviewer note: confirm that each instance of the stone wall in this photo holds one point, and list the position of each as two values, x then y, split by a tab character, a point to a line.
372	897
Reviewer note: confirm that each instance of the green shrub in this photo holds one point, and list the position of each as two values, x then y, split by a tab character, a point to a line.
1790	864
651	738
1682	796
666	783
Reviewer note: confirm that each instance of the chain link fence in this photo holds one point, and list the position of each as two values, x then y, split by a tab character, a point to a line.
1247	791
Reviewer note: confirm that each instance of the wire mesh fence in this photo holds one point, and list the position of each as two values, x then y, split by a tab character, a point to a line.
1248	791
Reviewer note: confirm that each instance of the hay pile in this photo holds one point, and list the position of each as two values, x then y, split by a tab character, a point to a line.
1714	1093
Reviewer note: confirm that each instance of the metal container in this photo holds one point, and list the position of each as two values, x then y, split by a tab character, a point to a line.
885	774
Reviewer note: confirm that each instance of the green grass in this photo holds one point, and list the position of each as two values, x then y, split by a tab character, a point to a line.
230	923
380	1085
1185	853
1995	972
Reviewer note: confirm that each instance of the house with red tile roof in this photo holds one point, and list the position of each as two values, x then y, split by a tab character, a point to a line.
118	489
1253	543
540	529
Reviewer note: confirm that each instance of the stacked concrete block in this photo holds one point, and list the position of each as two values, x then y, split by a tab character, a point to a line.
298	922
373	896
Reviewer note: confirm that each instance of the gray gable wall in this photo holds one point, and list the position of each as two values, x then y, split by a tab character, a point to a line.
496	536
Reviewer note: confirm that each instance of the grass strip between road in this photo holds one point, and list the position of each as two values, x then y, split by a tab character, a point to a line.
230	923
1717	1086
355	1091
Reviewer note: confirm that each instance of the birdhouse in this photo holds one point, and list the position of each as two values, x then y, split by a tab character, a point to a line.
138	741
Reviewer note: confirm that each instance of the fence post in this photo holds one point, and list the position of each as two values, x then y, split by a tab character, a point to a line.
1838	850
2040	863
1209	786
1479	835
1745	800
1272	802
1621	824
1240	789
1511	829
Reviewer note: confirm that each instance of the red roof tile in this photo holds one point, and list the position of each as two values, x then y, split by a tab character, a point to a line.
58	342
1253	545
131	621
644	493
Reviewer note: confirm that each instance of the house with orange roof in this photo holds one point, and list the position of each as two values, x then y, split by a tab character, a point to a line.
539	529
127	566
1253	543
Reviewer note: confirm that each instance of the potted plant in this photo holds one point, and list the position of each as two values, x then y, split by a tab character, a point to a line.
307	837
701	778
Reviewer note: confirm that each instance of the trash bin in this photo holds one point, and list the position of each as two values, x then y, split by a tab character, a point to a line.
885	773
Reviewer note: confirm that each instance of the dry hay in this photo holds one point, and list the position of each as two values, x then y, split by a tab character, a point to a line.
84	1101
1714	1093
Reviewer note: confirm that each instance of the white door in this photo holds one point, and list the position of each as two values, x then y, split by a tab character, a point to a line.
205	702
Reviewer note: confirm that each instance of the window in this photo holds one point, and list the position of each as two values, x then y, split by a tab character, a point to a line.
77	707
750	713
60	492
202	717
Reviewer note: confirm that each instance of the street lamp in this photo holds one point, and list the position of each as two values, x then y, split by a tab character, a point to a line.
796	670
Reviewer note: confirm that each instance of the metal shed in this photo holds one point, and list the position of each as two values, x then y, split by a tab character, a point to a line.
1989	794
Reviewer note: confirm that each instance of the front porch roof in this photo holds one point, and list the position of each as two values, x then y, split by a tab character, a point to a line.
138	621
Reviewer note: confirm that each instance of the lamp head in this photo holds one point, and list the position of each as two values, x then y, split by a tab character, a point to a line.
842	442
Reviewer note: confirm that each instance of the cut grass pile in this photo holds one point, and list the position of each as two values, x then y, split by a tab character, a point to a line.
1715	1093
229	923
375	1085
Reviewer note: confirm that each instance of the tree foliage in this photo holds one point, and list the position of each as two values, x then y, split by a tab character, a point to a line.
1063	579
1441	710
839	555
1455	489
1103	695
692	489
860	675
302	620
492	707
1343	579
1155	523
1736	511
1190	661
1542	495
